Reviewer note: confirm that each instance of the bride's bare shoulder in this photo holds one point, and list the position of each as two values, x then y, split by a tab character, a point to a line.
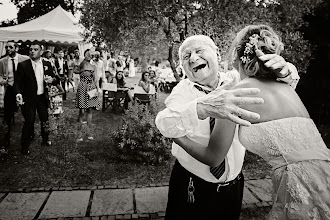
266	93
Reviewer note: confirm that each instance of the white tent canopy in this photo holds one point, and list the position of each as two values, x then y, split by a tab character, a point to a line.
57	26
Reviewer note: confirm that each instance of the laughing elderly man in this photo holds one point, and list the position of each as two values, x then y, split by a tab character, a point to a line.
196	190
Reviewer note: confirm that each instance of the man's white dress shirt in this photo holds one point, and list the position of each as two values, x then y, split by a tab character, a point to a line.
39	73
10	69
180	118
60	63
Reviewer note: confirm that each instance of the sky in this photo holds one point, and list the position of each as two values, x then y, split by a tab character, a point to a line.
7	10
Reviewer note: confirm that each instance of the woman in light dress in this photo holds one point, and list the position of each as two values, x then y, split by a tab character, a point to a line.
131	68
284	135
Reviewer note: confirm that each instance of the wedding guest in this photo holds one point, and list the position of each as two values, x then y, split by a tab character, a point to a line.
120	64
131	68
62	70
154	79
145	81
49	57
76	71
8	67
32	94
106	63
55	93
196	190
88	93
70	80
121	83
112	66
100	72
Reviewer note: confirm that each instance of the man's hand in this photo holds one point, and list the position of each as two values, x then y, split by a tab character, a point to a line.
274	62
19	99
225	104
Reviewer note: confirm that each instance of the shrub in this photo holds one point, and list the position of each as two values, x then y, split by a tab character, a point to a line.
139	140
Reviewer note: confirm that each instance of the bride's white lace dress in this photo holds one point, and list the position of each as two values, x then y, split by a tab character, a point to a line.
301	166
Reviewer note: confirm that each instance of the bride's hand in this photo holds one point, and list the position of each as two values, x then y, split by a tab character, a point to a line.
274	62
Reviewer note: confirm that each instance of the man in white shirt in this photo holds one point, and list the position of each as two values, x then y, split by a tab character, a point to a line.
62	68
100	73
8	66
112	66
32	94
195	191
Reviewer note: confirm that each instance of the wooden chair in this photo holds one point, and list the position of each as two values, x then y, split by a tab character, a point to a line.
141	97
109	95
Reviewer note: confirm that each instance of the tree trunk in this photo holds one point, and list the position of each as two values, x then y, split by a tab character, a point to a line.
170	51
170	59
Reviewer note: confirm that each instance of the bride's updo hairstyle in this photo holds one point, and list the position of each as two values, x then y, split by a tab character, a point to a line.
251	39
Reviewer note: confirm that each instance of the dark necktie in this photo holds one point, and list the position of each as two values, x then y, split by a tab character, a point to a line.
13	64
219	170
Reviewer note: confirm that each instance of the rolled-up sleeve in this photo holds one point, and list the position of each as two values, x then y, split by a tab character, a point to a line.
179	118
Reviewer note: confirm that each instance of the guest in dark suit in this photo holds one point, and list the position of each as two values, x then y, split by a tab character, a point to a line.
32	94
8	66
62	70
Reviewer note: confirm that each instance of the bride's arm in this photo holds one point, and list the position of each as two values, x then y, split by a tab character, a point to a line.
219	144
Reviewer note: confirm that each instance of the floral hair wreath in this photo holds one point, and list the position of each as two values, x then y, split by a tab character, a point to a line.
250	48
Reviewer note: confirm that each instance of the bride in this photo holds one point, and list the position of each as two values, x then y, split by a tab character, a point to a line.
284	136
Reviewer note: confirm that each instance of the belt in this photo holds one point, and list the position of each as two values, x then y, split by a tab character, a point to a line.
231	182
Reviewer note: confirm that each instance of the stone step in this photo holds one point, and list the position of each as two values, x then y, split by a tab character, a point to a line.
131	202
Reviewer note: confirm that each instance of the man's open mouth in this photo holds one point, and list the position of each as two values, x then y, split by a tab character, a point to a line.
195	69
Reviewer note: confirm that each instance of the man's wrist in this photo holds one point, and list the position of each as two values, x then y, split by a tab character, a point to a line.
200	111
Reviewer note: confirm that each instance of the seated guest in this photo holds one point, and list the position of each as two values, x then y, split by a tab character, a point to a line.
145	81
153	78
120	81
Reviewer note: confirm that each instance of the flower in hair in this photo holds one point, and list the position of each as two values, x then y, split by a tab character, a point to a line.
250	48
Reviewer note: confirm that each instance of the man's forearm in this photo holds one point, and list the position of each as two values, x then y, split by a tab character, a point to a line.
177	121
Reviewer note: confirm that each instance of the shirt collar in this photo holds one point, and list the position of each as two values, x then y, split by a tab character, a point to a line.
206	87
38	62
15	57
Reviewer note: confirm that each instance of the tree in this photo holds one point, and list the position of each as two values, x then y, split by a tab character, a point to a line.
110	20
31	9
7	23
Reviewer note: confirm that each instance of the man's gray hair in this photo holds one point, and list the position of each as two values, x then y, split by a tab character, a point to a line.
203	39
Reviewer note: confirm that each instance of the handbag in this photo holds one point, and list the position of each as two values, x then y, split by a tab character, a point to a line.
92	93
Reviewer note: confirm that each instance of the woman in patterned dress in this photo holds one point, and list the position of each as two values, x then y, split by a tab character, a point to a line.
88	93
55	93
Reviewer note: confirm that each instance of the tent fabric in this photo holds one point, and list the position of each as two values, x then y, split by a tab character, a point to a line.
57	26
